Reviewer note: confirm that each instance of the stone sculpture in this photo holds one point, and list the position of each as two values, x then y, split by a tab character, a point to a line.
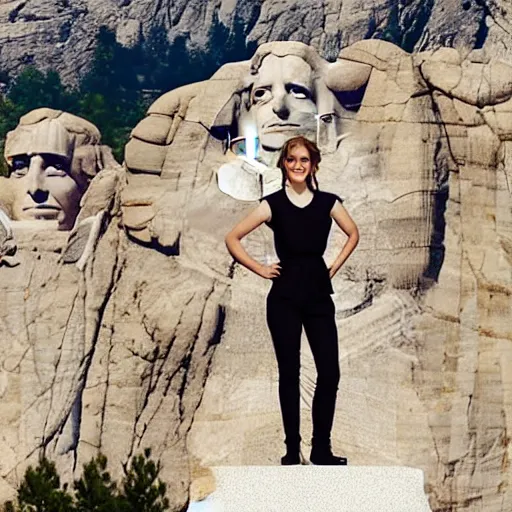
288	90
7	245
52	157
118	354
426	143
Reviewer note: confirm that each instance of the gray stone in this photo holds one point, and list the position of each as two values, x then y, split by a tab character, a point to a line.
52	34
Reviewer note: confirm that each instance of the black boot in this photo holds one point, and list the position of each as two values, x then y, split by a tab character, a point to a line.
290	459
292	453
321	455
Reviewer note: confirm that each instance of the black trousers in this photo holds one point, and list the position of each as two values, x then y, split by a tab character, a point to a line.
285	318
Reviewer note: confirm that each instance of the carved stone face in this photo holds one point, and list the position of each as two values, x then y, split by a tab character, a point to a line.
40	158
51	192
282	100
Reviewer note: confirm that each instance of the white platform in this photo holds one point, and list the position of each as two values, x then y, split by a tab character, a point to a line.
315	489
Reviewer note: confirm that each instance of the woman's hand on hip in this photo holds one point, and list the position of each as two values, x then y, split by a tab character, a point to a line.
270	271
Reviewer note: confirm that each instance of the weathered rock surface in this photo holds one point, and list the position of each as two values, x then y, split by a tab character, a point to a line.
424	304
105	359
61	34
161	340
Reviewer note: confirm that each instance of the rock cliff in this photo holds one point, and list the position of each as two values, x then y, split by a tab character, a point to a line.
423	306
60	34
159	339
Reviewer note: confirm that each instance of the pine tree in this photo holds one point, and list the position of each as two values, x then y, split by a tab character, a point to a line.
40	491
143	491
34	89
110	94
95	491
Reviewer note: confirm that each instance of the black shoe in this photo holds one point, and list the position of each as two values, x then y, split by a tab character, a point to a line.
323	456
290	459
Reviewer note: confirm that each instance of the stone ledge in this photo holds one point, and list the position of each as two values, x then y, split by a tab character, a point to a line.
315	488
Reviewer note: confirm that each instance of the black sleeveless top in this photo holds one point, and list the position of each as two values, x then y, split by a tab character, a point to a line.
300	238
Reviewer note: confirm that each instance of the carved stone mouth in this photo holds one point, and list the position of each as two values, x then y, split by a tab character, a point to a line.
49	207
42	211
281	127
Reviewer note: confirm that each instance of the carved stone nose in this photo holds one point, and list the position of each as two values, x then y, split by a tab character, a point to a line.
280	107
40	196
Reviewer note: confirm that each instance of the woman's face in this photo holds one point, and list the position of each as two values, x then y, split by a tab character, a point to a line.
297	164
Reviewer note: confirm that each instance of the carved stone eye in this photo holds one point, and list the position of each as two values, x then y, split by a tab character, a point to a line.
55	164
20	173
261	94
299	92
19	166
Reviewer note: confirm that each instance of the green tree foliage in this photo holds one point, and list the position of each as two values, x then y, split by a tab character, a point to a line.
141	490
8	120
229	45
40	491
392	31
170	65
110	93
34	88
95	491
112	71
116	90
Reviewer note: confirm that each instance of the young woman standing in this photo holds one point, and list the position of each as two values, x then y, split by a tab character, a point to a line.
301	216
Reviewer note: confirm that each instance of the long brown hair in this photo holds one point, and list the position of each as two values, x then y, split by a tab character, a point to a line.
314	155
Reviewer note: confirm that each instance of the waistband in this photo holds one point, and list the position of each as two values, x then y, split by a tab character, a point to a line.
299	257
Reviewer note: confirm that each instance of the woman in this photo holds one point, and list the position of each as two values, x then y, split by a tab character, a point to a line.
301	216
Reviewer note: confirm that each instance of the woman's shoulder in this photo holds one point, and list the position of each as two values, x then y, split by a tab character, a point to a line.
329	198
270	198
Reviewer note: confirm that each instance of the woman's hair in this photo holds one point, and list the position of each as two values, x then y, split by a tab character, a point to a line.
314	155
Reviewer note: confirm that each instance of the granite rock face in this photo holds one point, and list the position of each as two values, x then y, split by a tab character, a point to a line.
97	355
61	34
424	304
159	339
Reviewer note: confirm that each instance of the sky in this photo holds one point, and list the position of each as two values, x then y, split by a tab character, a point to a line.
202	506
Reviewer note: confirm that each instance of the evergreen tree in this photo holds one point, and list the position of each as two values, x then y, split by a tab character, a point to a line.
8	120
229	45
392	31
142	489
40	491
224	45
110	94
95	491
169	65
34	89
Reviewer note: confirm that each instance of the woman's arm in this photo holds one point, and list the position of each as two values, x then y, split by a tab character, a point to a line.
254	219
348	226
